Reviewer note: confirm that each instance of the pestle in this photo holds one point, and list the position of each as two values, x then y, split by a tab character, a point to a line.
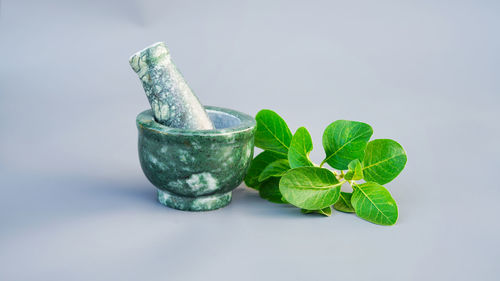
173	103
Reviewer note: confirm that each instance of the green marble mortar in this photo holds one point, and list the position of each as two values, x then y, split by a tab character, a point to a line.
196	170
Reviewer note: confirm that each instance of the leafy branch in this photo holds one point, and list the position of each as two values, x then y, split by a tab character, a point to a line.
284	173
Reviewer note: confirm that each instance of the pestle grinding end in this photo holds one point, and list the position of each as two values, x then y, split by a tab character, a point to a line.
173	103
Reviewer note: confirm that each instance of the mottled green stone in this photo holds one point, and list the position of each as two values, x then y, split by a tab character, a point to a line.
200	203
173	102
196	170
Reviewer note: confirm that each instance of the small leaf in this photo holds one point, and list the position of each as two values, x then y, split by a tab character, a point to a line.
384	160
355	171
275	169
270	190
258	164
310	188
345	141
272	132
300	147
374	203
344	203
327	211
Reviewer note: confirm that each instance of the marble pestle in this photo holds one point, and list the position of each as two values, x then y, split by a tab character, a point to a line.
174	104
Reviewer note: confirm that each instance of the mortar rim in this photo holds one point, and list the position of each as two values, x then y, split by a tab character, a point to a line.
145	120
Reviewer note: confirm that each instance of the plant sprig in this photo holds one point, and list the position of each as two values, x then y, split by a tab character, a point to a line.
284	173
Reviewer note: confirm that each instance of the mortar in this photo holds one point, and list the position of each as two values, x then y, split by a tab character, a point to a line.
196	170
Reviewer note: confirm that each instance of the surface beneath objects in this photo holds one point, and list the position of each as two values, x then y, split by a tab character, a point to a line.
75	204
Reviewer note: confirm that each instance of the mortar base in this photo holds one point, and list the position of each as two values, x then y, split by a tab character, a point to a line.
201	203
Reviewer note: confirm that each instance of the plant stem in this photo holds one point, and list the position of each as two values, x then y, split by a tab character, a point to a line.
351	183
341	176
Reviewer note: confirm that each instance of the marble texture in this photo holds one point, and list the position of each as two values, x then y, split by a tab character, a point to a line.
173	103
196	170
200	203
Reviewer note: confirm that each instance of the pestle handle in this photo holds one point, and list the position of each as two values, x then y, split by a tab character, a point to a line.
173	103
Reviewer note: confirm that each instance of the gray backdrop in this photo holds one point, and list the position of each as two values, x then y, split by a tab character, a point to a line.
76	206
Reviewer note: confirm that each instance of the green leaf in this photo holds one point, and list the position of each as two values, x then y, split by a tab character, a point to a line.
270	190
300	147
272	133
374	203
327	211
310	188
384	160
258	164
344	203
275	169
355	171
345	141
